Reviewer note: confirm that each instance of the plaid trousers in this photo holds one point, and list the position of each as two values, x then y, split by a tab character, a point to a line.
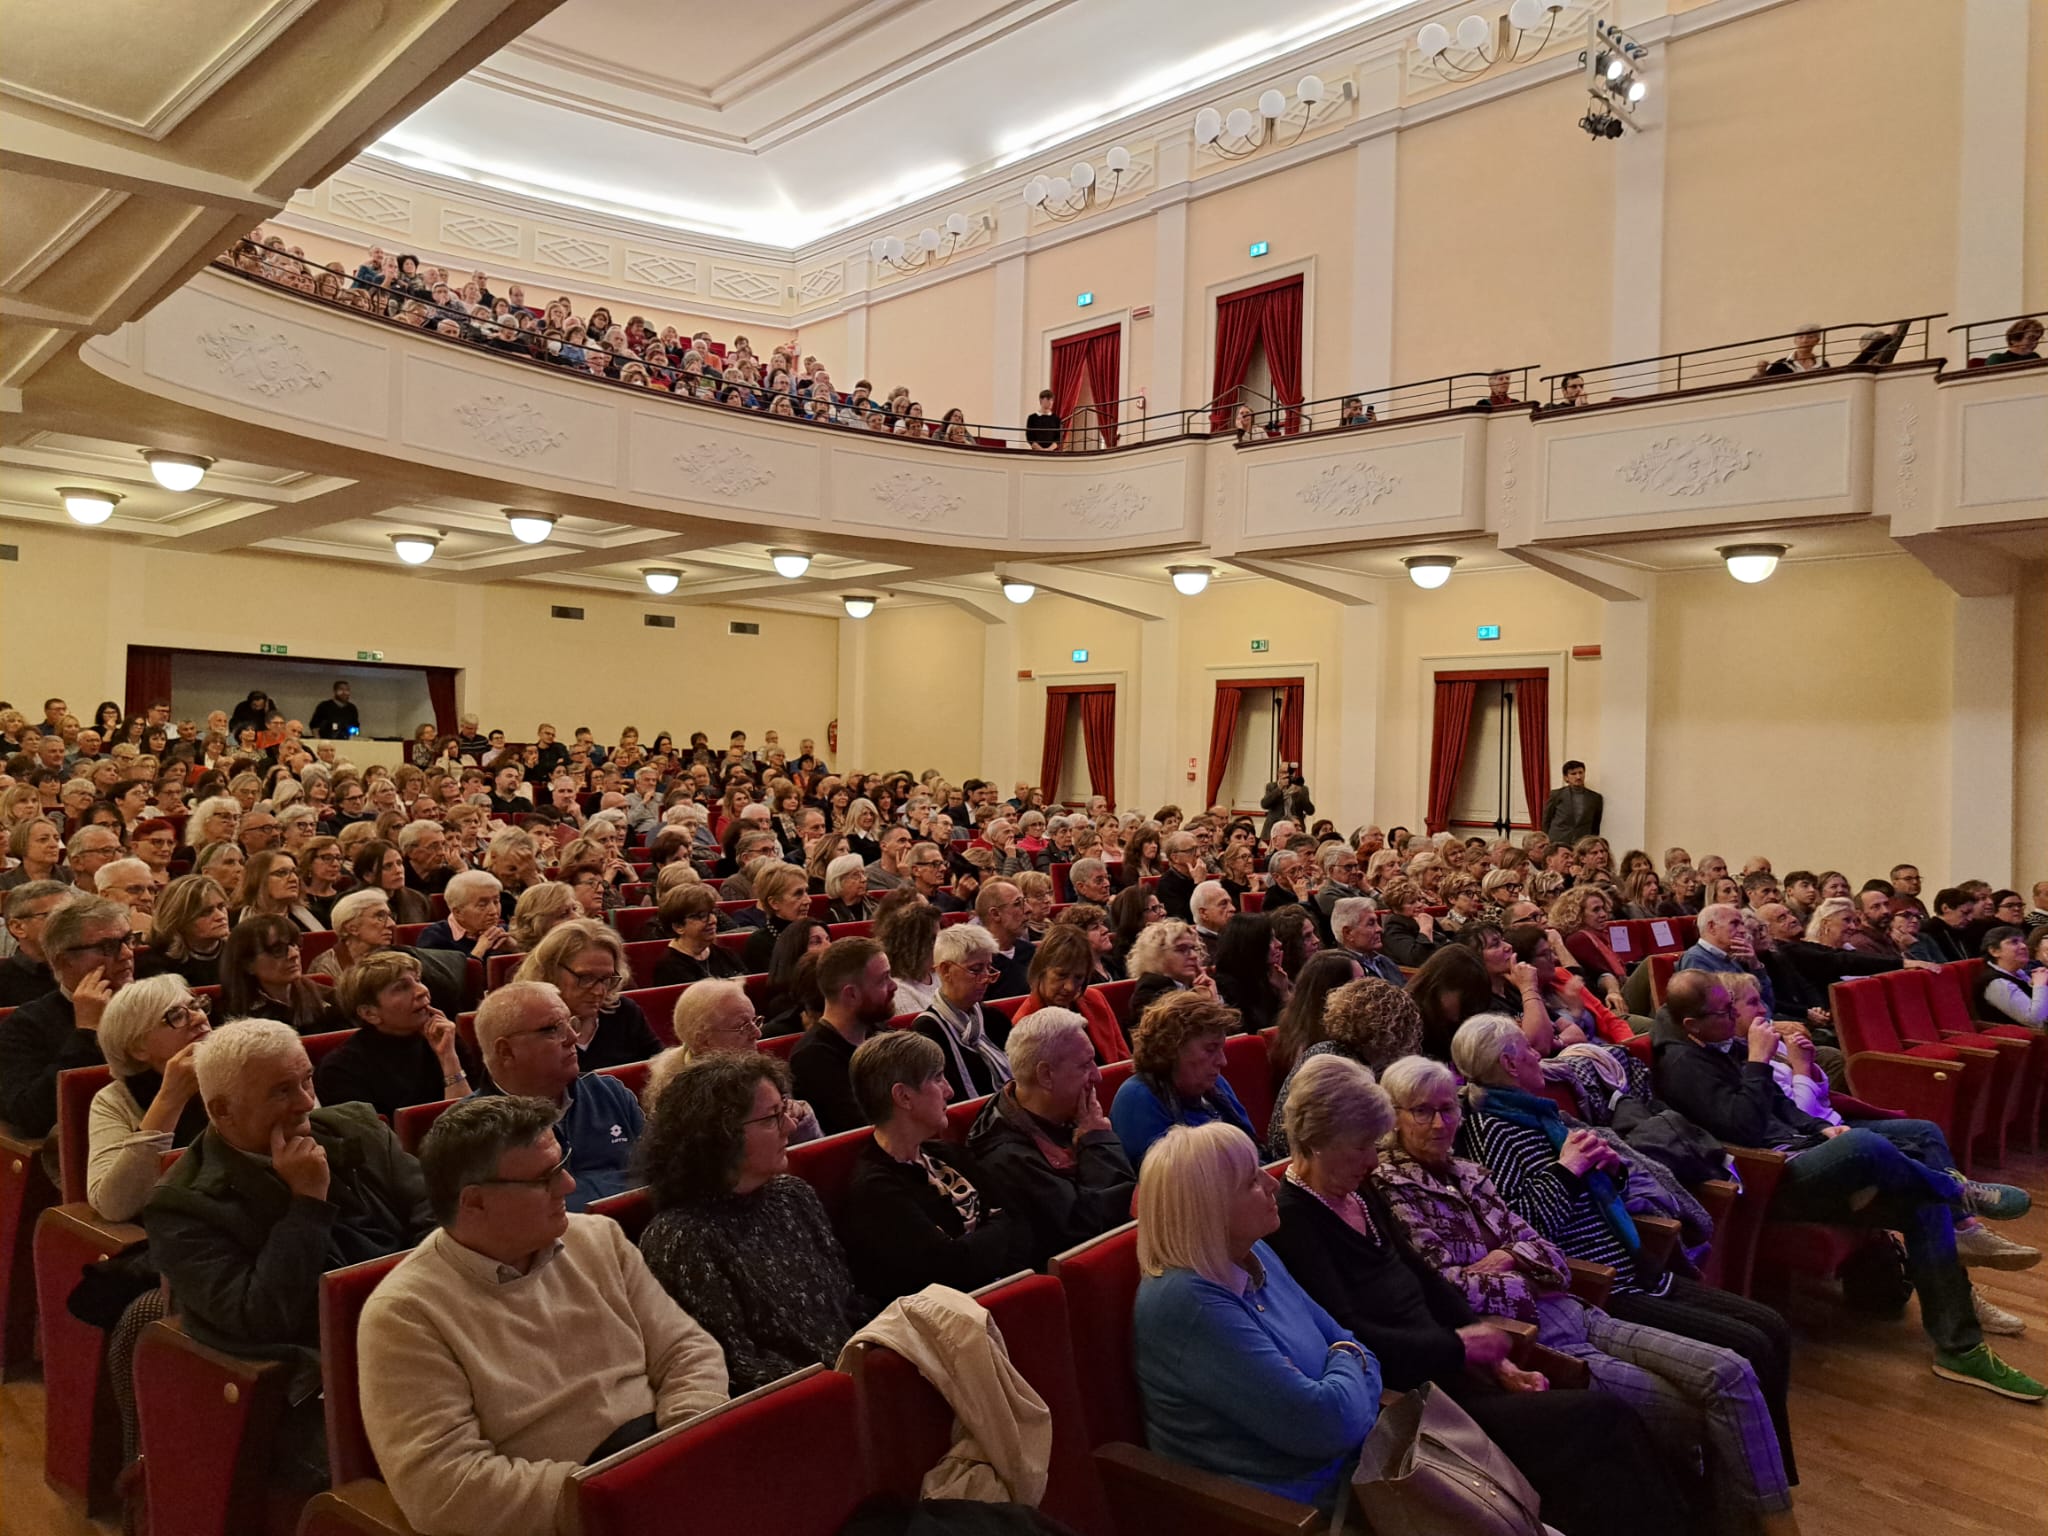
1688	1394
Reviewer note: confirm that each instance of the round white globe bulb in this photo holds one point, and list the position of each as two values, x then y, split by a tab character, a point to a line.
1472	32
1524	14
1239	123
1310	90
956	224
1208	124
1118	160
1082	175
661	581
1018	591
1432	39
1271	104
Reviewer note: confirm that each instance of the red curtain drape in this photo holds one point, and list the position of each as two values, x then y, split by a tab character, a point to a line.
1222	732
1069	372
1291	695
149	678
1055	743
441	694
1269	314
1105	375
1448	739
1532	728
1098	735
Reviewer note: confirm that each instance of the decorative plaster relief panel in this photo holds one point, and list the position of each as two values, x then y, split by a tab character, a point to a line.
1111	501
699	455
2003	462
477	232
1376	484
910	494
1678	460
242	355
378	207
486	417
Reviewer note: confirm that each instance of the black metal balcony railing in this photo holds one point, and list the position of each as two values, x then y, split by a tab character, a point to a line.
2010	338
1789	354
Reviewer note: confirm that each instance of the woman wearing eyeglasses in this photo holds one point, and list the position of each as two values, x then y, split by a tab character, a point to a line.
148	1034
744	1246
587	962
380	866
188	931
270	887
260	977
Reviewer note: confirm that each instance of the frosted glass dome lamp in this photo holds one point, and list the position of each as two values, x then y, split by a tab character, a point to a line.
858	607
788	563
177	471
1018	591
1430	571
1474	33
531	527
1752	563
661	579
415	548
1189	580
88	506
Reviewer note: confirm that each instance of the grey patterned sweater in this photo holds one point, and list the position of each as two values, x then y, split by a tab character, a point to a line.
763	1273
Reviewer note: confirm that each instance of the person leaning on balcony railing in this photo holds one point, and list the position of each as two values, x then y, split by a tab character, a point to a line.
1355	413
2022	343
1571	392
1042	426
1247	426
1499	394
1802	358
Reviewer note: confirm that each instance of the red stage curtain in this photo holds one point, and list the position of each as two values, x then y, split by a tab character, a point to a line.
1291	705
1098	734
1532	728
441	694
1069	372
1055	743
1222	732
149	678
1452	731
1105	375
1239	319
1282	333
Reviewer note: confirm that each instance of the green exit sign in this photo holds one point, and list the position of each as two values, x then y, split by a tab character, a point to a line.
1260	247
1080	655
274	650
1261	645
369	655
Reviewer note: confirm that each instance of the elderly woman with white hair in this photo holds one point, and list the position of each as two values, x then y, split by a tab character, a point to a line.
1689	1393
149	1034
474	925
1586	1453
363	924
713	1016
846	889
540	910
1241	1372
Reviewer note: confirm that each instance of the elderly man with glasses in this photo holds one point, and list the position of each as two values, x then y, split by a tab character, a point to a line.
91	953
277	1190
25	974
476	1410
527	1038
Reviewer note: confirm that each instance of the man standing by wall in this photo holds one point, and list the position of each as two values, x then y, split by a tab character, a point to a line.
1572	811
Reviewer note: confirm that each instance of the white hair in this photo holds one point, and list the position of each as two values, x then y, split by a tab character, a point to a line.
131	1014
846	864
410	834
962	943
1346	912
1033	1036
226	1056
1478	1045
505	1005
1208	891
115	869
1410	1079
470	884
354	905
214	805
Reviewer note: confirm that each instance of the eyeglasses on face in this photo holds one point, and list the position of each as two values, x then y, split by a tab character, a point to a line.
193	1010
784	1111
540	1180
106	949
589	979
1430	1114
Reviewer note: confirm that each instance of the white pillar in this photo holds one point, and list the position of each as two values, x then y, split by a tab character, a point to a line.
1982	741
1621	768
1007	354
853	692
856	361
1636	289
1352	789
998	757
1992	169
1164	392
1161	776
1372	273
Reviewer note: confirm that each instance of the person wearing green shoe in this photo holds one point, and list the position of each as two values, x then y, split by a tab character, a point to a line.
1838	1174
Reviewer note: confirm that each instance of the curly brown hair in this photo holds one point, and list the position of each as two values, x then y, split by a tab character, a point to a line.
1169	1024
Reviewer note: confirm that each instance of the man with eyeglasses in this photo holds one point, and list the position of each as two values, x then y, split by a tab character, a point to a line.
527	1038
1341	870
971	1036
1359	934
520	1340
133	884
276	1190
91	954
25	975
1000	908
928	870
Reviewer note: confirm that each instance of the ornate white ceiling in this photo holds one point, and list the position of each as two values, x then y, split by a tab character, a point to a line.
782	124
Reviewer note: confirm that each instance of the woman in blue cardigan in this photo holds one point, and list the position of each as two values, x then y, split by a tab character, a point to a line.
1177	1057
1240	1372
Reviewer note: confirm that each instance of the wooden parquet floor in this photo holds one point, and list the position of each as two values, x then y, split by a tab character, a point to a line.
1885	1448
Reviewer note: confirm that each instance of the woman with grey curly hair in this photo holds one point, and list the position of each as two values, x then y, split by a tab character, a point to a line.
1368	1021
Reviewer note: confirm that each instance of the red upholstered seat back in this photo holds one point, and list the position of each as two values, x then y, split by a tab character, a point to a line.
343	1293
315	944
632	1209
412	1123
638	923
317	1046
838	931
1101	1278
1062	887
827	1166
1244	1067
707	1475
1252	901
960	1118
659	1004
1662	969
759	991
642	958
1114	1076
498	969
1863	1016
75	1090
1951	991
407	935
1911	999
1118	995
780	1046
733	943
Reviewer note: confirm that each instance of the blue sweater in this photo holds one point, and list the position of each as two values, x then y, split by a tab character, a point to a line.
1145	1110
599	1129
1247	1386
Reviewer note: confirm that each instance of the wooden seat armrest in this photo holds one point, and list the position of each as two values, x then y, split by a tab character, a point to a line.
1660	1238
1514	1327
364	1507
1148	1494
1591	1283
1565	1372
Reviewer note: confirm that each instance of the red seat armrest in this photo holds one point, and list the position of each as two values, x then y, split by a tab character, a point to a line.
1149	1492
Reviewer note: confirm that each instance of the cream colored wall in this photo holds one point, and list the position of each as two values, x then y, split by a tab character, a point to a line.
936	340
1116	266
2030	787
1047	630
826	341
924	690
1300	213
1810	169
1503	249
2034	284
1807	717
72	604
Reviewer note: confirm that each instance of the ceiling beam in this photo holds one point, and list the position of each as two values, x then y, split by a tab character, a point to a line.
340	501
1966	566
1120	594
991	607
1602	578
544	559
1350	588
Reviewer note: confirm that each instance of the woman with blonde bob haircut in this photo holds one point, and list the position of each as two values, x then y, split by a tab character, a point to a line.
587	962
539	911
149	1033
1241	1372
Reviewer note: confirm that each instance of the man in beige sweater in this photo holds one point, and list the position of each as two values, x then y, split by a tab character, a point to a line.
518	1342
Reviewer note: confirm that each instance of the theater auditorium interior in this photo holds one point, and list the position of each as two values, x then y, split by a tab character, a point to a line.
1304	780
